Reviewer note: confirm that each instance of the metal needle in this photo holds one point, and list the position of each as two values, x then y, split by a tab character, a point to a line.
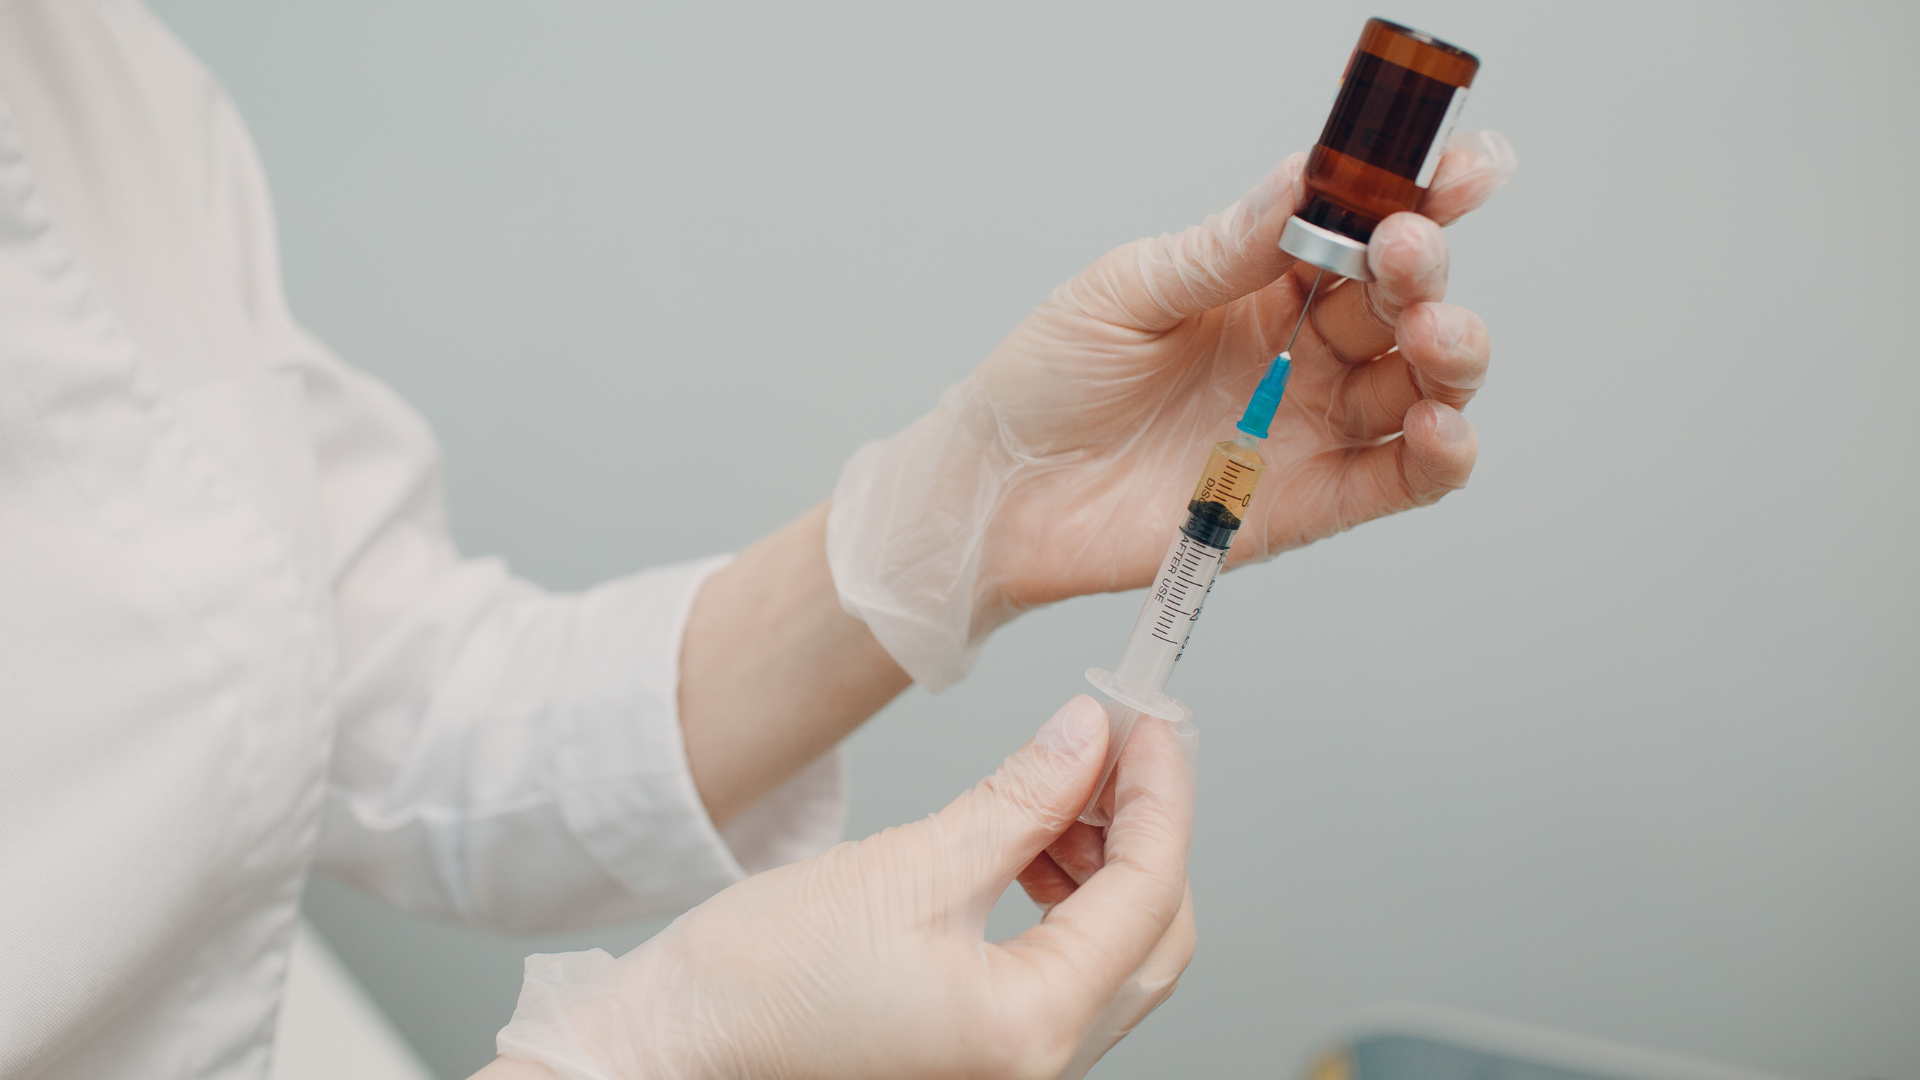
1288	351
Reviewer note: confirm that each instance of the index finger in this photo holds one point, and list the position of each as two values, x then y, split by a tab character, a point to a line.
1093	941
1153	284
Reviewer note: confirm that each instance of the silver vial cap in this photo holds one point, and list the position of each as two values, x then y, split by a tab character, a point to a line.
1325	249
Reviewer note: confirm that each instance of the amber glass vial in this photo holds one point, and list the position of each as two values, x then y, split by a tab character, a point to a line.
1398	100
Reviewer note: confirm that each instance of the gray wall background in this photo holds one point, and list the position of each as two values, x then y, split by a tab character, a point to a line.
1623	740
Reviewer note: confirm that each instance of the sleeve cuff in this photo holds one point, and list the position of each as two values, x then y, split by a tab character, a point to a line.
621	767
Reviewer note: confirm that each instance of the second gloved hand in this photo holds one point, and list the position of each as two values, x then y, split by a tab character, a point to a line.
1064	463
870	960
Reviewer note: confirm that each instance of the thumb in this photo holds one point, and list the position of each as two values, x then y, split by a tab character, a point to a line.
1475	165
1152	284
997	828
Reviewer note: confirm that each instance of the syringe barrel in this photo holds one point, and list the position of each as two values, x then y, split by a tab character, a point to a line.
1174	600
1166	619
1159	636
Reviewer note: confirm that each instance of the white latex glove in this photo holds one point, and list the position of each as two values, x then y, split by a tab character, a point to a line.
1063	465
870	960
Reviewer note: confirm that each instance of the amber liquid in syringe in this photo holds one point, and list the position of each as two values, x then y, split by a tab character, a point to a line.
1225	491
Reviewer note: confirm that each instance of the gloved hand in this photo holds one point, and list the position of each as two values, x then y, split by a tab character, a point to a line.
870	960
1064	463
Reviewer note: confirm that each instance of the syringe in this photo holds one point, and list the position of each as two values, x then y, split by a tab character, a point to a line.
1186	575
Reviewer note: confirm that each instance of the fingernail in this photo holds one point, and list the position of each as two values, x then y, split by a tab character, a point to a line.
1449	426
1499	152
1497	159
1071	730
1451	328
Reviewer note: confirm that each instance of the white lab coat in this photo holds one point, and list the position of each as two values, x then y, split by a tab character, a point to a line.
235	640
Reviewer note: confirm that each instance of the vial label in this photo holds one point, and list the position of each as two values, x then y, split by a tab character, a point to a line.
1388	116
1432	164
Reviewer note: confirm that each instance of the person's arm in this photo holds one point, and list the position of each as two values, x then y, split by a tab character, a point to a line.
507	755
773	671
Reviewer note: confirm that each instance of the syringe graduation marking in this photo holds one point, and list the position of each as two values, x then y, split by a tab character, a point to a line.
1192	566
1225	489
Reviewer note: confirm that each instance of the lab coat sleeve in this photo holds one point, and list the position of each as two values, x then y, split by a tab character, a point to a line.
505	755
